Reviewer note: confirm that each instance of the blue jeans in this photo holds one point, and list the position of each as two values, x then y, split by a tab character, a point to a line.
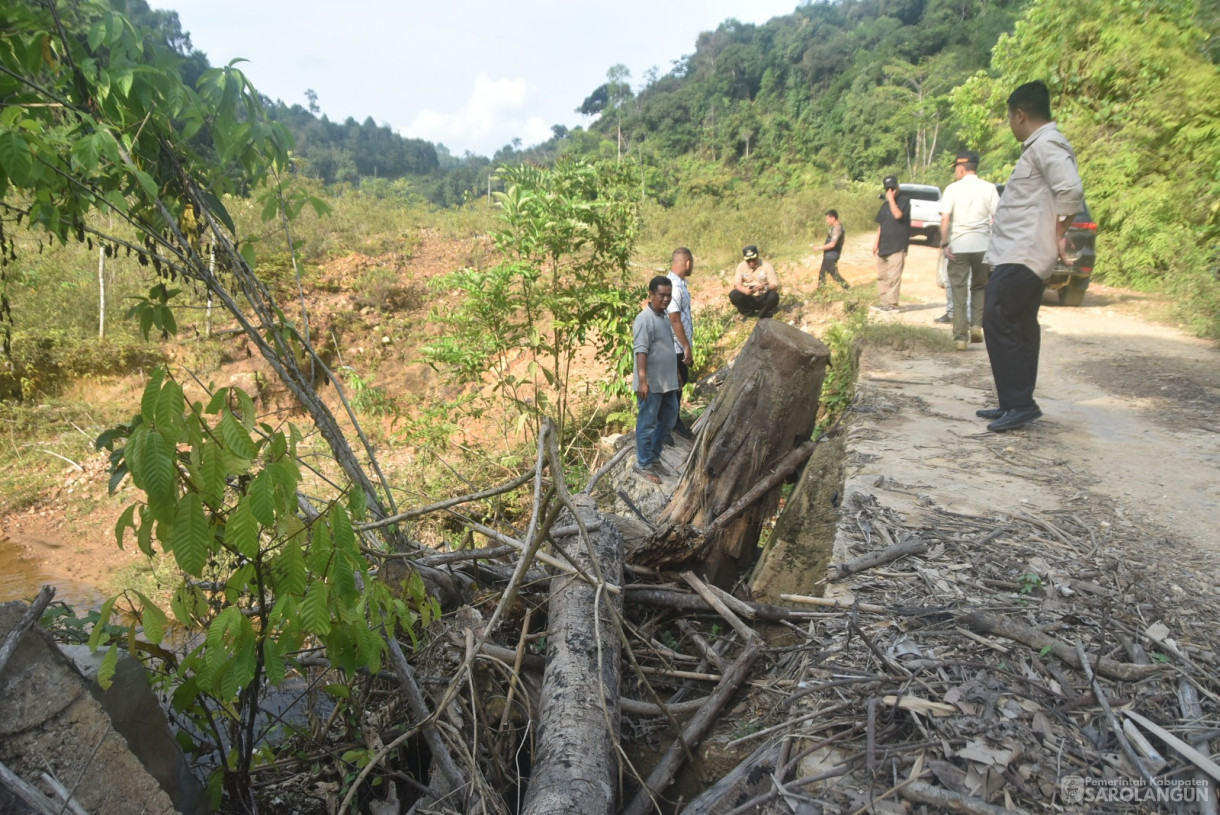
658	413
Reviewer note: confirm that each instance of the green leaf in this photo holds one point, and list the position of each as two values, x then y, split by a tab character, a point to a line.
144	534
126	521
219	399
212	473
235	436
17	159
103	620
271	208
241	530
105	671
315	613
341	529
167	320
97	33
158	470
123	80
320	549
153	619
152	394
273	661
189	605
168	411
216	208
289	569
146	182
262	499
246	405
85	153
192	536
239	582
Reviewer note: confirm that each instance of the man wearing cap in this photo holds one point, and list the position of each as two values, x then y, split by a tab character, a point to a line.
755	286
966	210
890	246
1029	234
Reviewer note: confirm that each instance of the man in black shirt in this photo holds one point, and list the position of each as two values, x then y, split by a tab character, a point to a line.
831	250
890	247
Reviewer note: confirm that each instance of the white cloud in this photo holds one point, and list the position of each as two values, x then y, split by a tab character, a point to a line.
496	113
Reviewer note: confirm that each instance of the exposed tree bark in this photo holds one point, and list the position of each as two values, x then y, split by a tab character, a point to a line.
767	408
575	767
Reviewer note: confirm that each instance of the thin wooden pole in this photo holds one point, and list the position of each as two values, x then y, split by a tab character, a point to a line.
207	329
101	292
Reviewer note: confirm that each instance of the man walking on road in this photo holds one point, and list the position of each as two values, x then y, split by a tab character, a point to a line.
832	250
681	264
890	246
655	381
966	210
1029	234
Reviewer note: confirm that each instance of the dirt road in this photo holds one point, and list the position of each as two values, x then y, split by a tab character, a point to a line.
1132	413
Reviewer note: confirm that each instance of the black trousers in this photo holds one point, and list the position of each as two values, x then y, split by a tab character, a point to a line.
1012	333
830	266
764	304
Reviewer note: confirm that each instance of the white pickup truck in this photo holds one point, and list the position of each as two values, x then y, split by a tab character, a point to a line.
925	210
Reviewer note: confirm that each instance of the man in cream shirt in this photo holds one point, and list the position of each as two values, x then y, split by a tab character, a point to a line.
966	211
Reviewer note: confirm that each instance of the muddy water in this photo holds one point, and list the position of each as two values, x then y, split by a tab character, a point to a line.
22	575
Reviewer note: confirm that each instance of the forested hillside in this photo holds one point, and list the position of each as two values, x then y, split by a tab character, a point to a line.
850	89
853	90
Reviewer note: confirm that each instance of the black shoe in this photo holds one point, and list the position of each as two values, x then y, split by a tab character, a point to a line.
682	430
990	413
944	319
1014	418
670	442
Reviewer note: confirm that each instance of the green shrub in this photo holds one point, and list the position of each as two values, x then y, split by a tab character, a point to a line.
43	362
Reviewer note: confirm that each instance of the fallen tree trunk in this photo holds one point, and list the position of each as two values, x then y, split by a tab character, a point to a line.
767	408
575	766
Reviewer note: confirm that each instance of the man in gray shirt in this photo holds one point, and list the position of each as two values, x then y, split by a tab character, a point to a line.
655	380
1029	234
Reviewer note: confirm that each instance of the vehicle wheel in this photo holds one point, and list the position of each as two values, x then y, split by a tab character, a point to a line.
1073	293
933	236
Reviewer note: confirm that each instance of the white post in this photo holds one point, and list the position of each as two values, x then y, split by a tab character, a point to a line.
207	330
101	289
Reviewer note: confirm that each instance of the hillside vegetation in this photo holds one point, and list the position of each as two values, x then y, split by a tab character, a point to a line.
843	93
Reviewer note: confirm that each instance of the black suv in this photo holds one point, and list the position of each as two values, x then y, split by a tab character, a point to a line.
1072	280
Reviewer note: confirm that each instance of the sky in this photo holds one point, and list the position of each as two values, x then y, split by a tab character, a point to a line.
470	74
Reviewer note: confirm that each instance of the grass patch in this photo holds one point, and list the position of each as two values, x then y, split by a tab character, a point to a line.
903	337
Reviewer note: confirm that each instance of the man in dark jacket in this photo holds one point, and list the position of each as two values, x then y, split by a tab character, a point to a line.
890	247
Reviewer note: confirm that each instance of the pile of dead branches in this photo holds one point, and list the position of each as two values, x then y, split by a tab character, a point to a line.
979	664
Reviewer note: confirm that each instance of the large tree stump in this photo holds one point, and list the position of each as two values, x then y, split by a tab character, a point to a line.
575	766
767	407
